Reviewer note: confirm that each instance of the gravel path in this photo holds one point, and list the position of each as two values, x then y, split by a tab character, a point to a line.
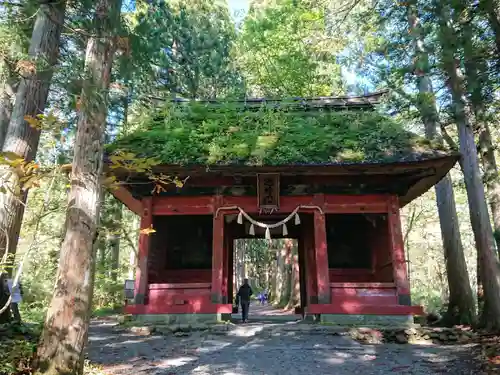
267	349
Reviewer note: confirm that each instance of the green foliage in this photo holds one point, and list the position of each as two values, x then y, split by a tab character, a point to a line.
199	135
16	23
181	47
286	50
17	346
108	291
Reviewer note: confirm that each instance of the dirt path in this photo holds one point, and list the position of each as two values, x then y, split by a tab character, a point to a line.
267	349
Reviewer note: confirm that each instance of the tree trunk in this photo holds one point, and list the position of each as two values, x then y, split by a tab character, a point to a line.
461	307
287	272
281	278
66	328
114	237
493	14
480	221
491	177
295	296
479	101
22	139
7	95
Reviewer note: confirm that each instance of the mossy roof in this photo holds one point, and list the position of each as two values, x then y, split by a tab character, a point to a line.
204	134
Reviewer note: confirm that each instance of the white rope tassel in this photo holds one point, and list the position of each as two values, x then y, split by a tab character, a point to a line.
240	218
268	234
285	230
297	219
251	232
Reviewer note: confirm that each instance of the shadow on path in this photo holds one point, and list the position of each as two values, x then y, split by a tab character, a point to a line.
268	349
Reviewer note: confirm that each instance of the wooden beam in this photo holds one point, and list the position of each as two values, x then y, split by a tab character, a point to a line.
362	169
199	306
177	205
310	261
398	253
141	276
204	205
124	196
217	255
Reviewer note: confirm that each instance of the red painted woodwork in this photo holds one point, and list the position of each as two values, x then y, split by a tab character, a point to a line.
397	247
124	196
321	255
364	309
363	293
303	273
200	306
218	258
355	203
202	205
141	276
374	285
226	265
340	275
331	291
180	286
310	261
187	276
181	298
382	258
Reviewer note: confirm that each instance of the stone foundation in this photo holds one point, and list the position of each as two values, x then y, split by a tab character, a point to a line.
367	320
176	319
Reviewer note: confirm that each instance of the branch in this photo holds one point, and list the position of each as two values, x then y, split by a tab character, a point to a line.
448	138
34	243
451	143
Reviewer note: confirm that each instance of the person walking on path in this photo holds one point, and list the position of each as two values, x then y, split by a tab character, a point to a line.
244	294
16	298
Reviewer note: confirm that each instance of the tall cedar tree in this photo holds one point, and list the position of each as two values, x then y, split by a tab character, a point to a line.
16	29
480	96
461	307
22	139
488	262
492	10
66	328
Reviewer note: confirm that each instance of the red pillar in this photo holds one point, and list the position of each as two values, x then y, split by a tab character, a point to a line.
398	253
226	266
217	257
310	260
230	276
321	255
141	275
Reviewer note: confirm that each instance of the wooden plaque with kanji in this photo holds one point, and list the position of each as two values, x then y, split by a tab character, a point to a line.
268	191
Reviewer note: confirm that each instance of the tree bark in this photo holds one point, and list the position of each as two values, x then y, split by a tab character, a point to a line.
480	221
461	307
492	10
491	177
66	328
114	237
287	246
7	95
21	138
479	100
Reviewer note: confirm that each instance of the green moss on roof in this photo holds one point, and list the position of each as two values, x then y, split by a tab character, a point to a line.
200	135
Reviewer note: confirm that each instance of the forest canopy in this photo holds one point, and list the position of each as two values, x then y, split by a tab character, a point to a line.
201	134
